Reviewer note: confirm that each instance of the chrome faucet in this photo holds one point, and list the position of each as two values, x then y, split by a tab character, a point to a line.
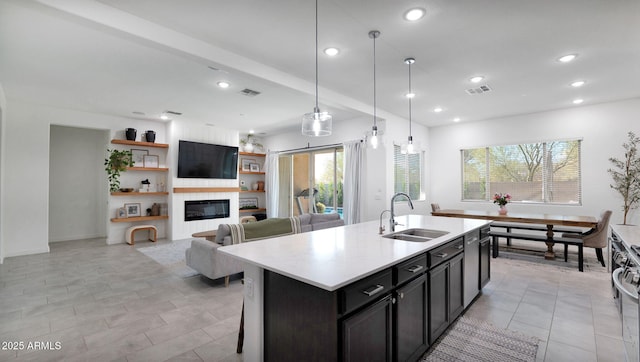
392	221
381	228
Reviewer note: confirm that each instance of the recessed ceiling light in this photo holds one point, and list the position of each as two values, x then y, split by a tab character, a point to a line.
578	83
332	52
457	119
223	84
476	79
414	14
410	95
164	116
567	58
438	109
251	131
578	101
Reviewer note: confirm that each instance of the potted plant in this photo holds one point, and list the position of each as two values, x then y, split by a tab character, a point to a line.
117	162
625	175
250	143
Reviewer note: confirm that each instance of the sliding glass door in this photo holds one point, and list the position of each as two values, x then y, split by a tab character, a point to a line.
311	182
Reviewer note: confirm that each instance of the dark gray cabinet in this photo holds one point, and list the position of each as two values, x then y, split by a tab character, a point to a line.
485	261
410	312
367	335
446	288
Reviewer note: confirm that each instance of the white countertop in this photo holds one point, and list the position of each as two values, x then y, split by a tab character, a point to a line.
335	257
630	234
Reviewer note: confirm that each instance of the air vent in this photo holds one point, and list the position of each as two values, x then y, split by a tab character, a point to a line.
249	92
481	89
175	113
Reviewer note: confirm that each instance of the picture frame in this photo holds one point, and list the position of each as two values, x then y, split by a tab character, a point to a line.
137	156
151	161
248	203
121	213
246	164
132	209
254	167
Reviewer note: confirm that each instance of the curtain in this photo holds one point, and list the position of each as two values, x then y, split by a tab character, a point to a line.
271	186
353	163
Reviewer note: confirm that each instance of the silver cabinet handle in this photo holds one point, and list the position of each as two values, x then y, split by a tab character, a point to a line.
459	247
442	255
376	289
415	268
472	240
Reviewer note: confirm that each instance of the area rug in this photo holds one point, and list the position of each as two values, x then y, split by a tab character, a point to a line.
472	340
171	255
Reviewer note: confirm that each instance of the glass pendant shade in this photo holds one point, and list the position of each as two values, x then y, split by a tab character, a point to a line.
411	147
317	124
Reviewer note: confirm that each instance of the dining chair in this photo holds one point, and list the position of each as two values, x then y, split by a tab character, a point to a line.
596	237
435	207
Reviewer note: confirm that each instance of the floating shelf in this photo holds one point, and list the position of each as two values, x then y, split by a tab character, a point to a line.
252	210
251	191
138	143
251	173
164	169
120	193
140	218
253	154
186	190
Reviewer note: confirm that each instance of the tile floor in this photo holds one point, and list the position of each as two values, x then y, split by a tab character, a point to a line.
105	303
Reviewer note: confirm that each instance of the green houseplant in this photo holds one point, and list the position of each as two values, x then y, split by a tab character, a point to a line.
625	175
117	162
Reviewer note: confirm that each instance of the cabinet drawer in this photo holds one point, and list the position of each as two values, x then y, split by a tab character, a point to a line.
447	251
366	290
410	269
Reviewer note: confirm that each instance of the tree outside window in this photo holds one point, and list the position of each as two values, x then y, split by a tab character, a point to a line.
542	172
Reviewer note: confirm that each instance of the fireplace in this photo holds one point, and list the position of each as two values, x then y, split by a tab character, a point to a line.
206	209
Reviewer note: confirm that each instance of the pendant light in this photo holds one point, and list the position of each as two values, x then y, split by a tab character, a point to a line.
375	139
317	123
410	146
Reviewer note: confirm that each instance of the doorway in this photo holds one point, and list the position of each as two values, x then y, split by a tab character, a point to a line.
311	182
77	183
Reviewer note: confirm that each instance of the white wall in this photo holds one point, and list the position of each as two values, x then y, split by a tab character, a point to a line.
3	106
603	128
182	130
77	205
378	168
25	222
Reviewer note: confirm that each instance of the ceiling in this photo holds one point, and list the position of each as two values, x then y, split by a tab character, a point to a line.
119	56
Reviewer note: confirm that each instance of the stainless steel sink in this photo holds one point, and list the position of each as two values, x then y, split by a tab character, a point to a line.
419	235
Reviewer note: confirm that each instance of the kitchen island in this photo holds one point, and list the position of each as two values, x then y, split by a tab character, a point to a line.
322	294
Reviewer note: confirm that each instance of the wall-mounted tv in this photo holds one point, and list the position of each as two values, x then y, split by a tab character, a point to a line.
206	160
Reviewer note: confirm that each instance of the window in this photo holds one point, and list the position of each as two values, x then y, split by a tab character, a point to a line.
543	172
408	173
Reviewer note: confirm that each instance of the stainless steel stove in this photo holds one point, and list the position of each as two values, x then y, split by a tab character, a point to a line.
625	279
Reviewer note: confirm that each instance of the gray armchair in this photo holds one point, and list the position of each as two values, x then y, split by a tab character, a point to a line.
596	237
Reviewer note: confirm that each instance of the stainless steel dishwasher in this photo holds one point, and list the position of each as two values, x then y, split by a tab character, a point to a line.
471	266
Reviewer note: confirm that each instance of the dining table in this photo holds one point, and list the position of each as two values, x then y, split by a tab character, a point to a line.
550	220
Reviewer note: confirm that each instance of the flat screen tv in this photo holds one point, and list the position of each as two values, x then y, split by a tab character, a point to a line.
206	160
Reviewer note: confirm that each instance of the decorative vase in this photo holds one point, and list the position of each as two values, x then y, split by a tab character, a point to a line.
130	133
150	136
503	210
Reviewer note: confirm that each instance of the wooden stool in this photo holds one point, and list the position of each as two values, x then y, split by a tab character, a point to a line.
133	229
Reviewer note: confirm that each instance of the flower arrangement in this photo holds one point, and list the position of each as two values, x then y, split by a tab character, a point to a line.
501	199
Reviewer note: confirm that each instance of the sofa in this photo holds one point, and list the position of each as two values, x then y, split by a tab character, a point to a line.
203	254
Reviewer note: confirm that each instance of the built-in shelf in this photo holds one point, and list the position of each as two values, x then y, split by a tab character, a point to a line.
140	218
251	173
187	190
120	193
253	154
138	143
251	190
253	210
164	169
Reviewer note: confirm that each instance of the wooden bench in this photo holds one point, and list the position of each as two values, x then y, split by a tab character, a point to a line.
153	233
543	238
509	226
